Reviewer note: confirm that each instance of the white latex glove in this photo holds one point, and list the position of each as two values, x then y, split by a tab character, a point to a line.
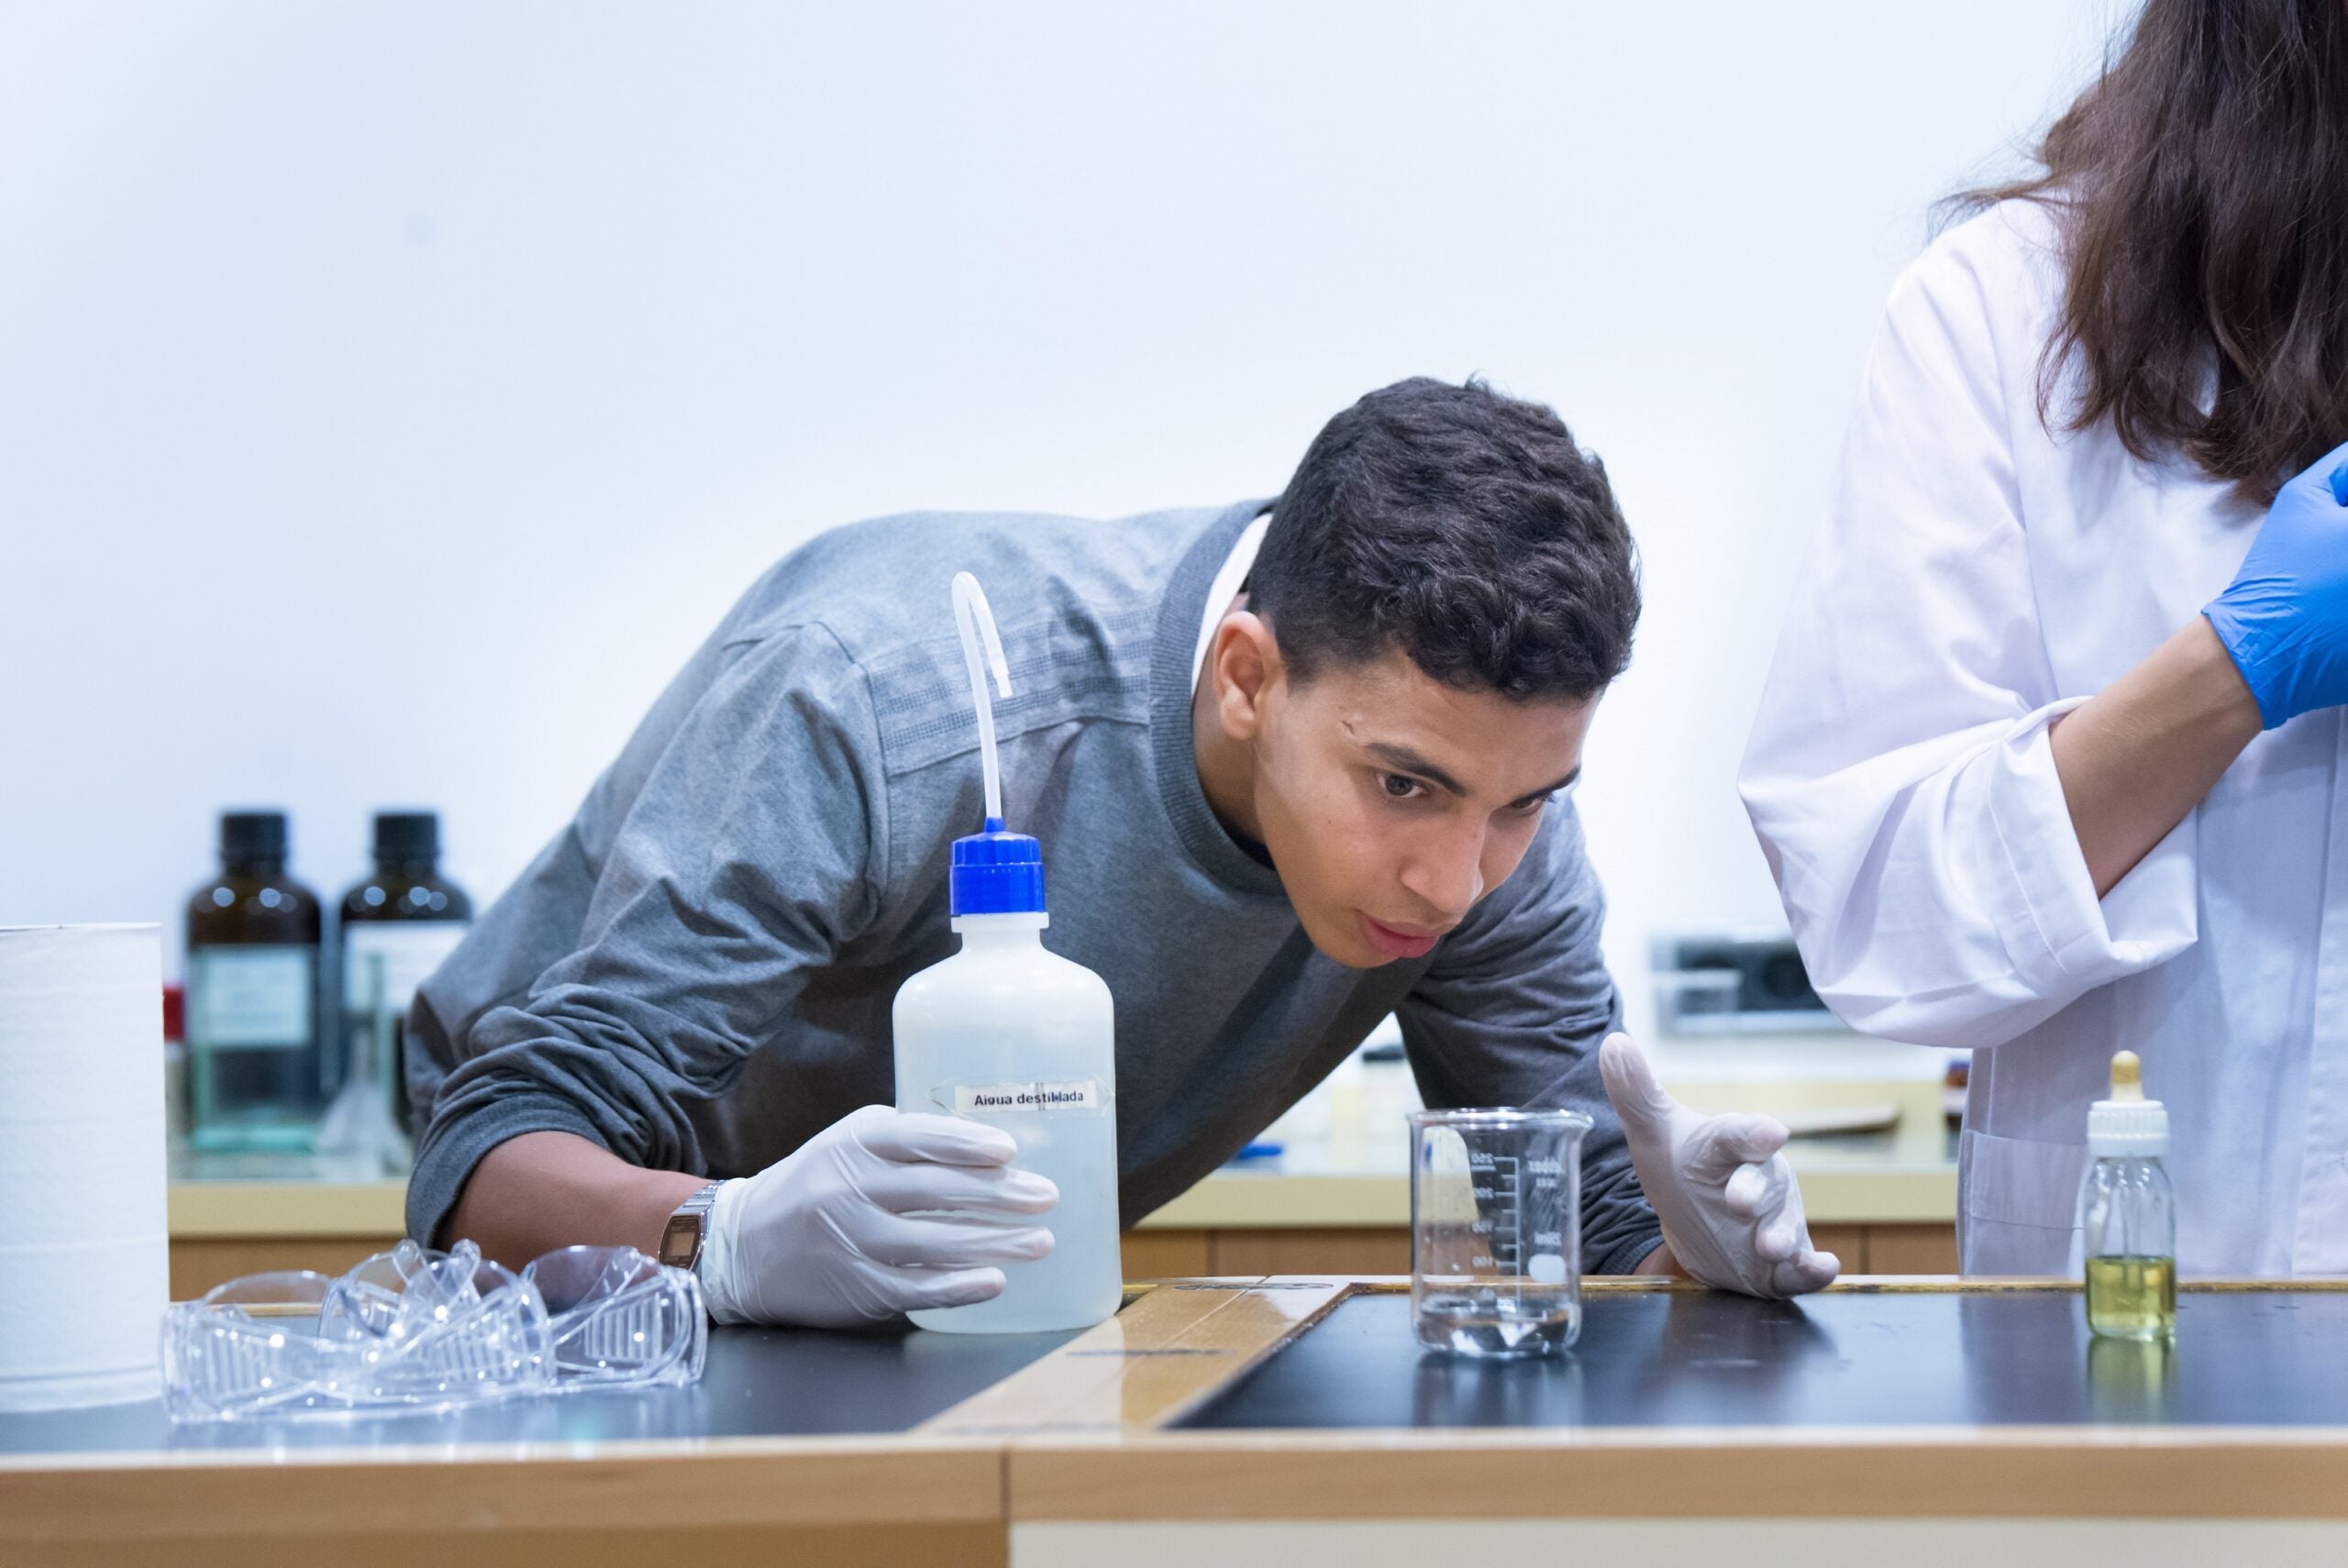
1730	1206
881	1213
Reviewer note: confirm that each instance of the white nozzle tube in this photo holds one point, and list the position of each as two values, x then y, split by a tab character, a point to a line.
976	622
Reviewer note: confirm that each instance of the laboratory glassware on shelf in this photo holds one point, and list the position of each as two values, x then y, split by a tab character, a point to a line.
258	1074
359	1138
400	920
1496	1231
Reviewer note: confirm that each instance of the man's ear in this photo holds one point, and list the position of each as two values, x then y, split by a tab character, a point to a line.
1245	667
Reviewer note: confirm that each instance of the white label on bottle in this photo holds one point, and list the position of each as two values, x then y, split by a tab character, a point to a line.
410	949
1005	1100
249	998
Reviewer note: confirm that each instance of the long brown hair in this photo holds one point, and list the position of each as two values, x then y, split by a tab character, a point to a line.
2200	186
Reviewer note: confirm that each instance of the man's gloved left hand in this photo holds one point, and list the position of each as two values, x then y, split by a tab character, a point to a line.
1730	1206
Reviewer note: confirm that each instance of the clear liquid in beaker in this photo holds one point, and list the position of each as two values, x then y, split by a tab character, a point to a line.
1507	1319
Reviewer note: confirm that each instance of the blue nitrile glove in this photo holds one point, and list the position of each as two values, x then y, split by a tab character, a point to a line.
2285	616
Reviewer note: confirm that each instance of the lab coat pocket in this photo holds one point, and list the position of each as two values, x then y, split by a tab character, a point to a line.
2019	1202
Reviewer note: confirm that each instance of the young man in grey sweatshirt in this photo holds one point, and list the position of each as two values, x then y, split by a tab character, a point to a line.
1296	765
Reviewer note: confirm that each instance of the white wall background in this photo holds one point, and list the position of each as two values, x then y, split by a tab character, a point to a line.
391	395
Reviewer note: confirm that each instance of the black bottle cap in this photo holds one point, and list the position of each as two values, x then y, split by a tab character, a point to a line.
252	835
407	836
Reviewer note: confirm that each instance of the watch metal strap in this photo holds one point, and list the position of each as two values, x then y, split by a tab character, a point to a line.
688	1225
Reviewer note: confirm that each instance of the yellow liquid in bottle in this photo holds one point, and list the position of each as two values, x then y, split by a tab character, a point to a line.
2132	1297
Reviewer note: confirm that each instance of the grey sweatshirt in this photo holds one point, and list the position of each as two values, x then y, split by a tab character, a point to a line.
697	972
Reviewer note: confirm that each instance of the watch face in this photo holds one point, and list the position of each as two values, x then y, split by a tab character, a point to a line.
680	1242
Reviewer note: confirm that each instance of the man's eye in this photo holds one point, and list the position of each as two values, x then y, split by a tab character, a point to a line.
1533	807
1398	787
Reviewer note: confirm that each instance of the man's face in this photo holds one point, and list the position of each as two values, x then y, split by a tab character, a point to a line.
1391	802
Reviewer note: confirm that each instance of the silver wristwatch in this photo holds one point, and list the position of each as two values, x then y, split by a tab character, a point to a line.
688	1228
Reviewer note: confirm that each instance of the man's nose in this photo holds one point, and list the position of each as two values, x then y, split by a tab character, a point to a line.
1449	874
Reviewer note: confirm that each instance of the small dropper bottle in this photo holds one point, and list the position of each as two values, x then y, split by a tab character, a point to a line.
2128	1212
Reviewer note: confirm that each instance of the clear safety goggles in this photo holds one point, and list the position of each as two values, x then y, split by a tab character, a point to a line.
415	1330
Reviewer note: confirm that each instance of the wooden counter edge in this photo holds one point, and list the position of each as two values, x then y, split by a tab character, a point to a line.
747	1481
1272	1200
1687	1473
204	1210
1224	1200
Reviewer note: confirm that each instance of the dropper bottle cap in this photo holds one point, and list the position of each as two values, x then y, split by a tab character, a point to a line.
994	871
2127	1126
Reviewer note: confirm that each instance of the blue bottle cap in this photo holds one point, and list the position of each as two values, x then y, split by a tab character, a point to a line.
996	872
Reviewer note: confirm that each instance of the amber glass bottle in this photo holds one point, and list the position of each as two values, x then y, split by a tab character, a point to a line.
398	923
256	1067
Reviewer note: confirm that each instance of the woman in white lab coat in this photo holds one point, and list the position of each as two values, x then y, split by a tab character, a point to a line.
2046	766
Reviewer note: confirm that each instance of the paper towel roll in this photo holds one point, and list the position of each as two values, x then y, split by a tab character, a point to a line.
84	1249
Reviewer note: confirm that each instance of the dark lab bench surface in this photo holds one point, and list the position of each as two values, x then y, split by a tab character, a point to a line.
757	1383
1879	1400
1902	1359
793	1447
1268	1401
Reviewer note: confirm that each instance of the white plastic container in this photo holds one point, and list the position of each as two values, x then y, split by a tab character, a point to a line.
1020	1037
1007	1032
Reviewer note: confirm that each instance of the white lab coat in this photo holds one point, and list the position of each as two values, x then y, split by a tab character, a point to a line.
1975	577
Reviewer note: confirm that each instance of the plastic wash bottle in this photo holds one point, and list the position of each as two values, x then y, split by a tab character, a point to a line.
1007	1032
2128	1212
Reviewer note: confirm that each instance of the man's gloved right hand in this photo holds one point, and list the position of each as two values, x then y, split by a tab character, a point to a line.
881	1213
2283	619
1730	1206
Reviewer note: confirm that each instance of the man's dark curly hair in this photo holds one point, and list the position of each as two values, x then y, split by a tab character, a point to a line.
1464	528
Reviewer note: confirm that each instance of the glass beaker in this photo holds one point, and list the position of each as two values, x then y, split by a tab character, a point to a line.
1496	1231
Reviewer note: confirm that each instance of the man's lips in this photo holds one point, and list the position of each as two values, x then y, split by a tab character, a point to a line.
1397	941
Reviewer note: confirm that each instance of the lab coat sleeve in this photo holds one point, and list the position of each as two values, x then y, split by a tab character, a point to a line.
1510	1011
1899	775
745	859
